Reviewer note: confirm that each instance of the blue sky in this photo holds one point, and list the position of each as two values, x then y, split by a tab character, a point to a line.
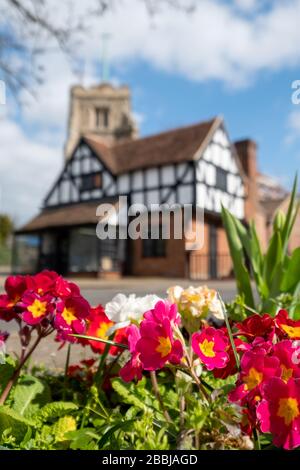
236	58
259	111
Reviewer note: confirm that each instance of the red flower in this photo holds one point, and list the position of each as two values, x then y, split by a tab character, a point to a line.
42	283
279	412
288	327
35	308
98	326
257	326
15	286
211	346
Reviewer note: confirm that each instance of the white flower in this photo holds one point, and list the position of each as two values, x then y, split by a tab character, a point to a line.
123	310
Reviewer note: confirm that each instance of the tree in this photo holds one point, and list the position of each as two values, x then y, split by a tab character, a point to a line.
27	30
6	228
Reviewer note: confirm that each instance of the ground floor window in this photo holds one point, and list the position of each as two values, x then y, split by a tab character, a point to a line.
26	254
154	248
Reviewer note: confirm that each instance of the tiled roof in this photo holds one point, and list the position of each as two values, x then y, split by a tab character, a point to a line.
174	146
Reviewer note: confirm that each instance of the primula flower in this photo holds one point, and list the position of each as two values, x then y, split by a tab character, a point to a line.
71	317
231	367
133	368
35	308
194	304
256	367
211	346
288	327
279	412
157	344
15	287
123	310
284	351
163	310
98	326
257	326
42	283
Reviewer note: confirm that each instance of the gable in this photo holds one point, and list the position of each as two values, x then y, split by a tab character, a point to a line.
219	176
83	178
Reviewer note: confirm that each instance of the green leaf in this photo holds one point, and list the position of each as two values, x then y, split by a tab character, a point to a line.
83	439
6	372
236	249
122	425
29	395
272	258
18	425
292	274
128	397
54	410
290	217
100	340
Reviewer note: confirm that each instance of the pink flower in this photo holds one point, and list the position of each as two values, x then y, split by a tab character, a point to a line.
133	368
163	310
211	346
279	412
35	308
284	351
256	367
157	345
70	317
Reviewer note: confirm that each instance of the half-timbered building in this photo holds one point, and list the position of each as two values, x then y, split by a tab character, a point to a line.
196	165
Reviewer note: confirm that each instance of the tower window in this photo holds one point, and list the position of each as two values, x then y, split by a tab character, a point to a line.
102	117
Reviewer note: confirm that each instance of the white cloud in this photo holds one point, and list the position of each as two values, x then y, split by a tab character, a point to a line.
27	171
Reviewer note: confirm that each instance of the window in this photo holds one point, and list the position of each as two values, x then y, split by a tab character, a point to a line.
154	248
221	180
102	115
91	181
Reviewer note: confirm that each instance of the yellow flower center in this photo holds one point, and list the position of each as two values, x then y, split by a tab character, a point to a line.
288	410
68	315
164	347
207	348
102	330
37	308
253	378
291	331
286	373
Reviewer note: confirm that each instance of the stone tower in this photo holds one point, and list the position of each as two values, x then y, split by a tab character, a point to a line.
103	110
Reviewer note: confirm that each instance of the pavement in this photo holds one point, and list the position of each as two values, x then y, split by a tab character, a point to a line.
101	291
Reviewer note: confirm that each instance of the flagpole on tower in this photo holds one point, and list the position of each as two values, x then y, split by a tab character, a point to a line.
105	60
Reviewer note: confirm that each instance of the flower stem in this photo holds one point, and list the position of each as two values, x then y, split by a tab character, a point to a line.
158	396
236	356
17	371
66	371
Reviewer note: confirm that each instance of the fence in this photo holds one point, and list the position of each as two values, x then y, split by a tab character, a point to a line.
210	266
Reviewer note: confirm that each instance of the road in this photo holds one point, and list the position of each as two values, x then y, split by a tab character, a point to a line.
99	291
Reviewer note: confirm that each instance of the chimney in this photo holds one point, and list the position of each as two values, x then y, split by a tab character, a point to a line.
246	150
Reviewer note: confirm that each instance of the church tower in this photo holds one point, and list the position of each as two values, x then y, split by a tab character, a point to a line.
103	110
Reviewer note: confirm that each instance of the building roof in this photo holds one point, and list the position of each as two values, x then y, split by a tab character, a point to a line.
174	146
77	214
